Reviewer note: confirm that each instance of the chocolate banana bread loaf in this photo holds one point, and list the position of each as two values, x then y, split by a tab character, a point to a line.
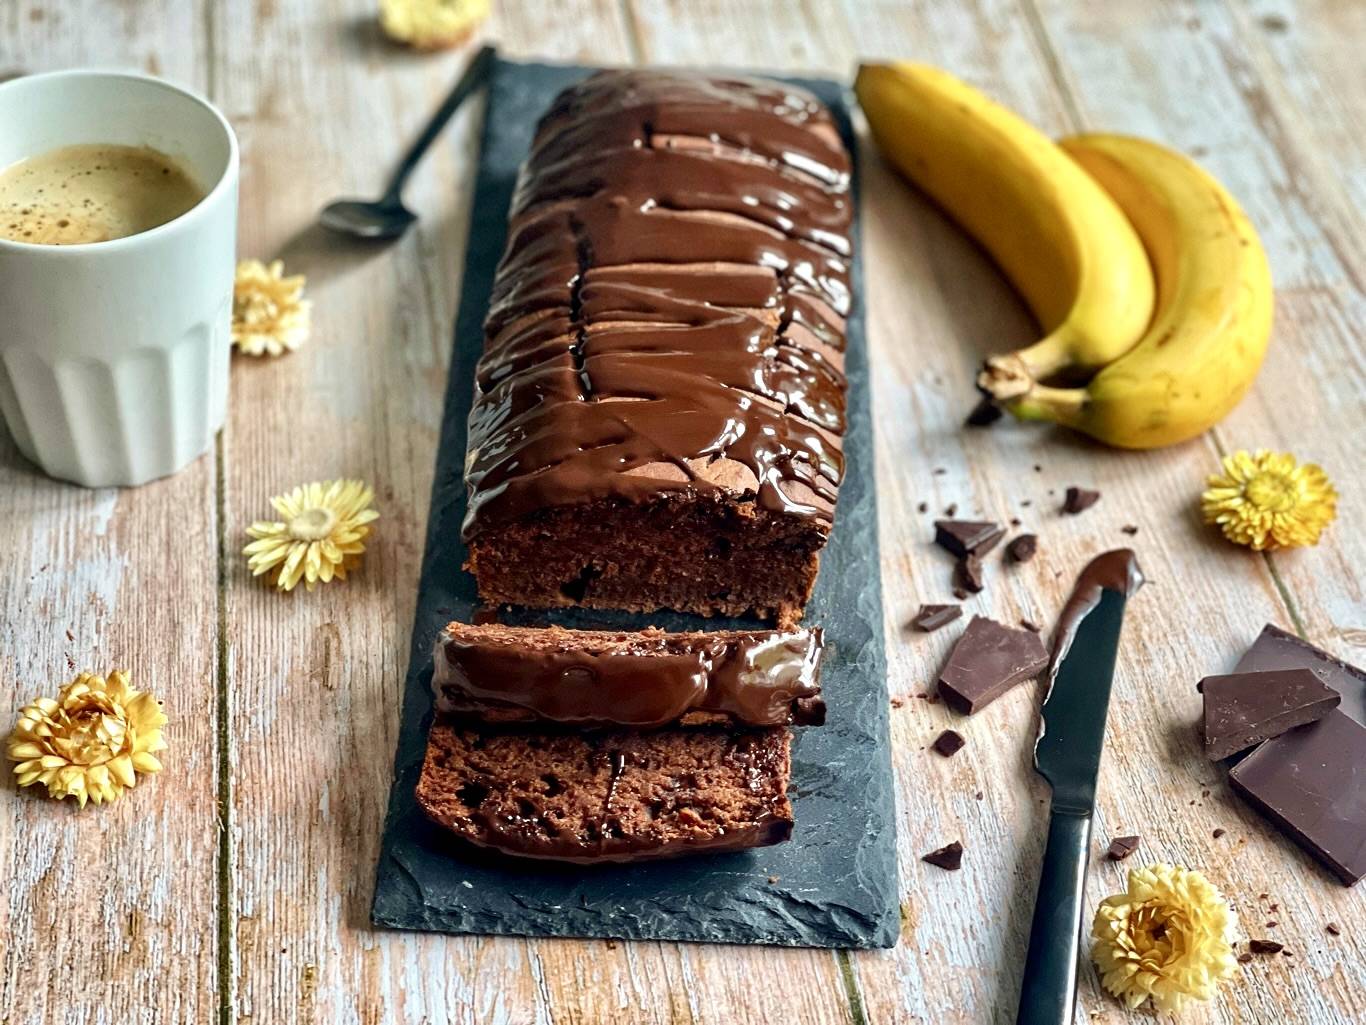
616	795
646	678
660	403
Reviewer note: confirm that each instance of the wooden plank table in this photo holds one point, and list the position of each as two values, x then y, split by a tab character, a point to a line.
235	887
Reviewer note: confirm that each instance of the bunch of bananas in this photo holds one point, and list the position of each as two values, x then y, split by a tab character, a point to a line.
1150	284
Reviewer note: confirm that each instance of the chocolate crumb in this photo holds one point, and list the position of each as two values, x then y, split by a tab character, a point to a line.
949	743
1079	500
897	702
1204	793
949	857
939	471
1015	521
960	593
1029	624
1218	833
923	507
980	795
773	879
1129	529
984	414
1263	896
969	574
1274	907
951	509
1272	925
1121	847
1038	468
1332	929
70	636
1244	958
611	944
1287	953
1023	548
1026	503
1265	946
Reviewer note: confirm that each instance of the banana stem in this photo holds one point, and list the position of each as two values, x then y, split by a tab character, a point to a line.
1056	405
1013	374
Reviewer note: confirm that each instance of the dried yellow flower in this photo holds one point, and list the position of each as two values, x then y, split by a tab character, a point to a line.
431	24
321	535
1266	500
91	741
1167	937
269	314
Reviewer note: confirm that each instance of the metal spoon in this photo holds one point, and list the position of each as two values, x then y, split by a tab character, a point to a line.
387	217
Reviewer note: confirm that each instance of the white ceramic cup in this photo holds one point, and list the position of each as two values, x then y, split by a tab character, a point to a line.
114	355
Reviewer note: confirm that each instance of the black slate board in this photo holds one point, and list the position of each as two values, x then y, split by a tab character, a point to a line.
836	879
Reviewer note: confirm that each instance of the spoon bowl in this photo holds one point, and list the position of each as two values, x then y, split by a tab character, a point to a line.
362	218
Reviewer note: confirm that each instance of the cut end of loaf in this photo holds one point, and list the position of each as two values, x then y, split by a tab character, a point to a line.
612	795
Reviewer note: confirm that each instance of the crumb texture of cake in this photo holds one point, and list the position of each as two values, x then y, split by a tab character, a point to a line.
644	678
660	404
612	795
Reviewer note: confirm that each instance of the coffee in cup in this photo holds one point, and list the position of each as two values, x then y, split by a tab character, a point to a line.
92	193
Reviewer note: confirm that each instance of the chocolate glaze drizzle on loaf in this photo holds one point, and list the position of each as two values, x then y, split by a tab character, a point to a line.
669	312
650	678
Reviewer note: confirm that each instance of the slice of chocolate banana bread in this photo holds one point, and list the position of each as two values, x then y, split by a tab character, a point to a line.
613	795
645	678
661	400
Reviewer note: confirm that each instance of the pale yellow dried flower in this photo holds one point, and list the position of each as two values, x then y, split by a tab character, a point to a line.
1166	938
431	24
91	741
1266	500
269	314
320	536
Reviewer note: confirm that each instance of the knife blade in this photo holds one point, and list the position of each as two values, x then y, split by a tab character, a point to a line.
1067	753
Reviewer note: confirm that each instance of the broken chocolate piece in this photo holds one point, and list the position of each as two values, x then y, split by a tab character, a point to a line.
967	537
949	743
931	617
1265	946
984	414
1244	709
1309	782
1079	500
1278	649
949	857
987	660
1023	548
1121	847
968	573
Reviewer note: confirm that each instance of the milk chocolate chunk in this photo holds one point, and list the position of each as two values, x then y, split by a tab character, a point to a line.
967	537
1121	847
1079	500
949	743
642	678
1244	709
948	857
932	617
1311	782
1023	548
968	573
1278	649
988	659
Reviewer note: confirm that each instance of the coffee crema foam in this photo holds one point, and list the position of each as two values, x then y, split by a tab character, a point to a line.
92	193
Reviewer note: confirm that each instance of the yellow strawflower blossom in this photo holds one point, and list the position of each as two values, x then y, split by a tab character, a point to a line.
1266	500
320	534
90	741
269	314
1166	938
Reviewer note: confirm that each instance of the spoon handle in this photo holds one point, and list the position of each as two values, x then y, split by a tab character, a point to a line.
475	72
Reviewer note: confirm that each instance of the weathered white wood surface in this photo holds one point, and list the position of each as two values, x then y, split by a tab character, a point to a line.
127	914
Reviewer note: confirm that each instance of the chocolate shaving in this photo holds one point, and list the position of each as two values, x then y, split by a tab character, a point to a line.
949	857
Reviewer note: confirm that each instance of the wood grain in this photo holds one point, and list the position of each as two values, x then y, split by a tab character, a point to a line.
109	913
125	899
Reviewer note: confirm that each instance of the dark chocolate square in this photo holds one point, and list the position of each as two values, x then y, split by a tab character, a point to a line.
835	883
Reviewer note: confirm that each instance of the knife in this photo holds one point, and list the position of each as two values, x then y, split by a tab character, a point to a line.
1067	754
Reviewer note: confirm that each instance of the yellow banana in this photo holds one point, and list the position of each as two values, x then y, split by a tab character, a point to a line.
1214	304
1055	233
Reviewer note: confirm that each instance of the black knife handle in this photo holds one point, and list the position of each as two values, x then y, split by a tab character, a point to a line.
1050	976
